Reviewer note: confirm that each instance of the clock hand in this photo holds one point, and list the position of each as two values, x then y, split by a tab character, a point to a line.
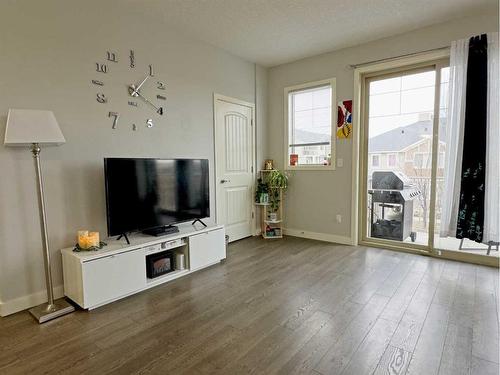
159	110
142	83
134	90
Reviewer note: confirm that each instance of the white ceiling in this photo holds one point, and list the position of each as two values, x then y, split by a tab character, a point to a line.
272	32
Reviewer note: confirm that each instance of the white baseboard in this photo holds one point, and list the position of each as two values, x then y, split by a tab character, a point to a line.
318	236
26	302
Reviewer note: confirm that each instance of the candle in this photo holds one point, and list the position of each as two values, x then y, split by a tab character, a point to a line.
88	239
94	239
82	238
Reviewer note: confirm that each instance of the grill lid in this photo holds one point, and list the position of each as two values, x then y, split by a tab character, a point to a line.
390	180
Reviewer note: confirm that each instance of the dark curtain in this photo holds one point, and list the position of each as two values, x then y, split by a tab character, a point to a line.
471	208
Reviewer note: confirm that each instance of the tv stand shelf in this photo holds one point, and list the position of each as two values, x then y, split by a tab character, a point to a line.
95	278
167	277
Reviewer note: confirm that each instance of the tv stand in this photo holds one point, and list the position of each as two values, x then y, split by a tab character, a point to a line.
200	221
125	236
95	278
161	231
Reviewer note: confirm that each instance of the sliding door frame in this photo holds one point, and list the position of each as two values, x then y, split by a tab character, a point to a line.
426	66
435	153
435	60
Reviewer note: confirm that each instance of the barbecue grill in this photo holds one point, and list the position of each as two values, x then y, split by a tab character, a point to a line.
392	197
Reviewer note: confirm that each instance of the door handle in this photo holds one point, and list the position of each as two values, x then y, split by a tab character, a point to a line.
224	181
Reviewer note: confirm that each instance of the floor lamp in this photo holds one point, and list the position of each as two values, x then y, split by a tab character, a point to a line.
35	129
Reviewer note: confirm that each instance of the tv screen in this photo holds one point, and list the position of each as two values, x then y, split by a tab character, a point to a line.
148	193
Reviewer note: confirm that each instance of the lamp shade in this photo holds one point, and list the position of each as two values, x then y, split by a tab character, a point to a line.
26	126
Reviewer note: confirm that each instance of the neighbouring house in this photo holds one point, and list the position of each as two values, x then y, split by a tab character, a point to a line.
407	149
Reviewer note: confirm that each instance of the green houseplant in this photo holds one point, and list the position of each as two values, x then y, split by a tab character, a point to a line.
261	189
277	180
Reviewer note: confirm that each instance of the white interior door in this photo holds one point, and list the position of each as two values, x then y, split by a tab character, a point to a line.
234	155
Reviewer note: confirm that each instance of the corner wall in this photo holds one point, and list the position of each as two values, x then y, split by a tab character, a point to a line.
314	198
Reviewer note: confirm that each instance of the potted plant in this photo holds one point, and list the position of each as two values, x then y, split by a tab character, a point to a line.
277	181
261	192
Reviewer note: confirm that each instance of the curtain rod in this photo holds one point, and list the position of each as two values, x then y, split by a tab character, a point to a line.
354	66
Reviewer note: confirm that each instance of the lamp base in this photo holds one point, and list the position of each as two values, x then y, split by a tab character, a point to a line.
45	312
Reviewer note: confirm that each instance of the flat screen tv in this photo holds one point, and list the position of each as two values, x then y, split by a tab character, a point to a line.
144	194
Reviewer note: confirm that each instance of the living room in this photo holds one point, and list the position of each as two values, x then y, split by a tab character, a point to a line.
249	187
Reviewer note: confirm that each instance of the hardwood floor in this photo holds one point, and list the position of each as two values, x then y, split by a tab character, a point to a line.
290	306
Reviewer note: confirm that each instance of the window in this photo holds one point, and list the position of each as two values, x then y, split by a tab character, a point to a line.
310	118
422	160
375	161
418	160
441	160
392	160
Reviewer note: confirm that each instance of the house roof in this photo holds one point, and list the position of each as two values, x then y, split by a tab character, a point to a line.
304	136
398	139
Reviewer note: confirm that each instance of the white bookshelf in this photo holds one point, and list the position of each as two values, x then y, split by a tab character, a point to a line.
269	226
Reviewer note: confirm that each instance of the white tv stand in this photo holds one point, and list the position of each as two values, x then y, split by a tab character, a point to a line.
95	278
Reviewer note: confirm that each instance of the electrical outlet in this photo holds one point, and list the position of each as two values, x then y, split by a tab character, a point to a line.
340	162
338	218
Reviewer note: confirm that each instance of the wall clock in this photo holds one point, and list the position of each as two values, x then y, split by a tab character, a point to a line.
139	91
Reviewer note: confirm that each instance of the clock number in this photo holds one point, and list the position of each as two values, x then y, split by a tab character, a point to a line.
151	73
161	97
101	98
115	120
134	127
133	104
160	111
101	68
98	83
149	123
111	56
132	59
160	86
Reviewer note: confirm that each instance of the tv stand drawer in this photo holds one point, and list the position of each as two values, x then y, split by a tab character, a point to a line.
206	249
112	277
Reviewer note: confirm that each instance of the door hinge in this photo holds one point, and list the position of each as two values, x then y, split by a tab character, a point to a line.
252	215
251	122
251	168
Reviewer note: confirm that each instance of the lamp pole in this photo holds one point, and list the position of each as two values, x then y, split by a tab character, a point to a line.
35	150
52	309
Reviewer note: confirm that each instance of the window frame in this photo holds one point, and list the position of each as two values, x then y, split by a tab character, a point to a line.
333	146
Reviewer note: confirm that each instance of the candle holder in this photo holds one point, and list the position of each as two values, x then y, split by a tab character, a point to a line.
78	249
88	241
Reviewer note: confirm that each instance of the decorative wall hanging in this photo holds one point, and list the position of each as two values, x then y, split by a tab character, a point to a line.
140	93
344	119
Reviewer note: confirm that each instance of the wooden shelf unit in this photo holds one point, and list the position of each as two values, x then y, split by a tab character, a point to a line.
266	222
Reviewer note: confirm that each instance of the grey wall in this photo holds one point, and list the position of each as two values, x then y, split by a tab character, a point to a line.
315	197
48	51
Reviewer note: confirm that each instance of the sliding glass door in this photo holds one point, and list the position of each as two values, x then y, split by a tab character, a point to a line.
402	148
403	152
